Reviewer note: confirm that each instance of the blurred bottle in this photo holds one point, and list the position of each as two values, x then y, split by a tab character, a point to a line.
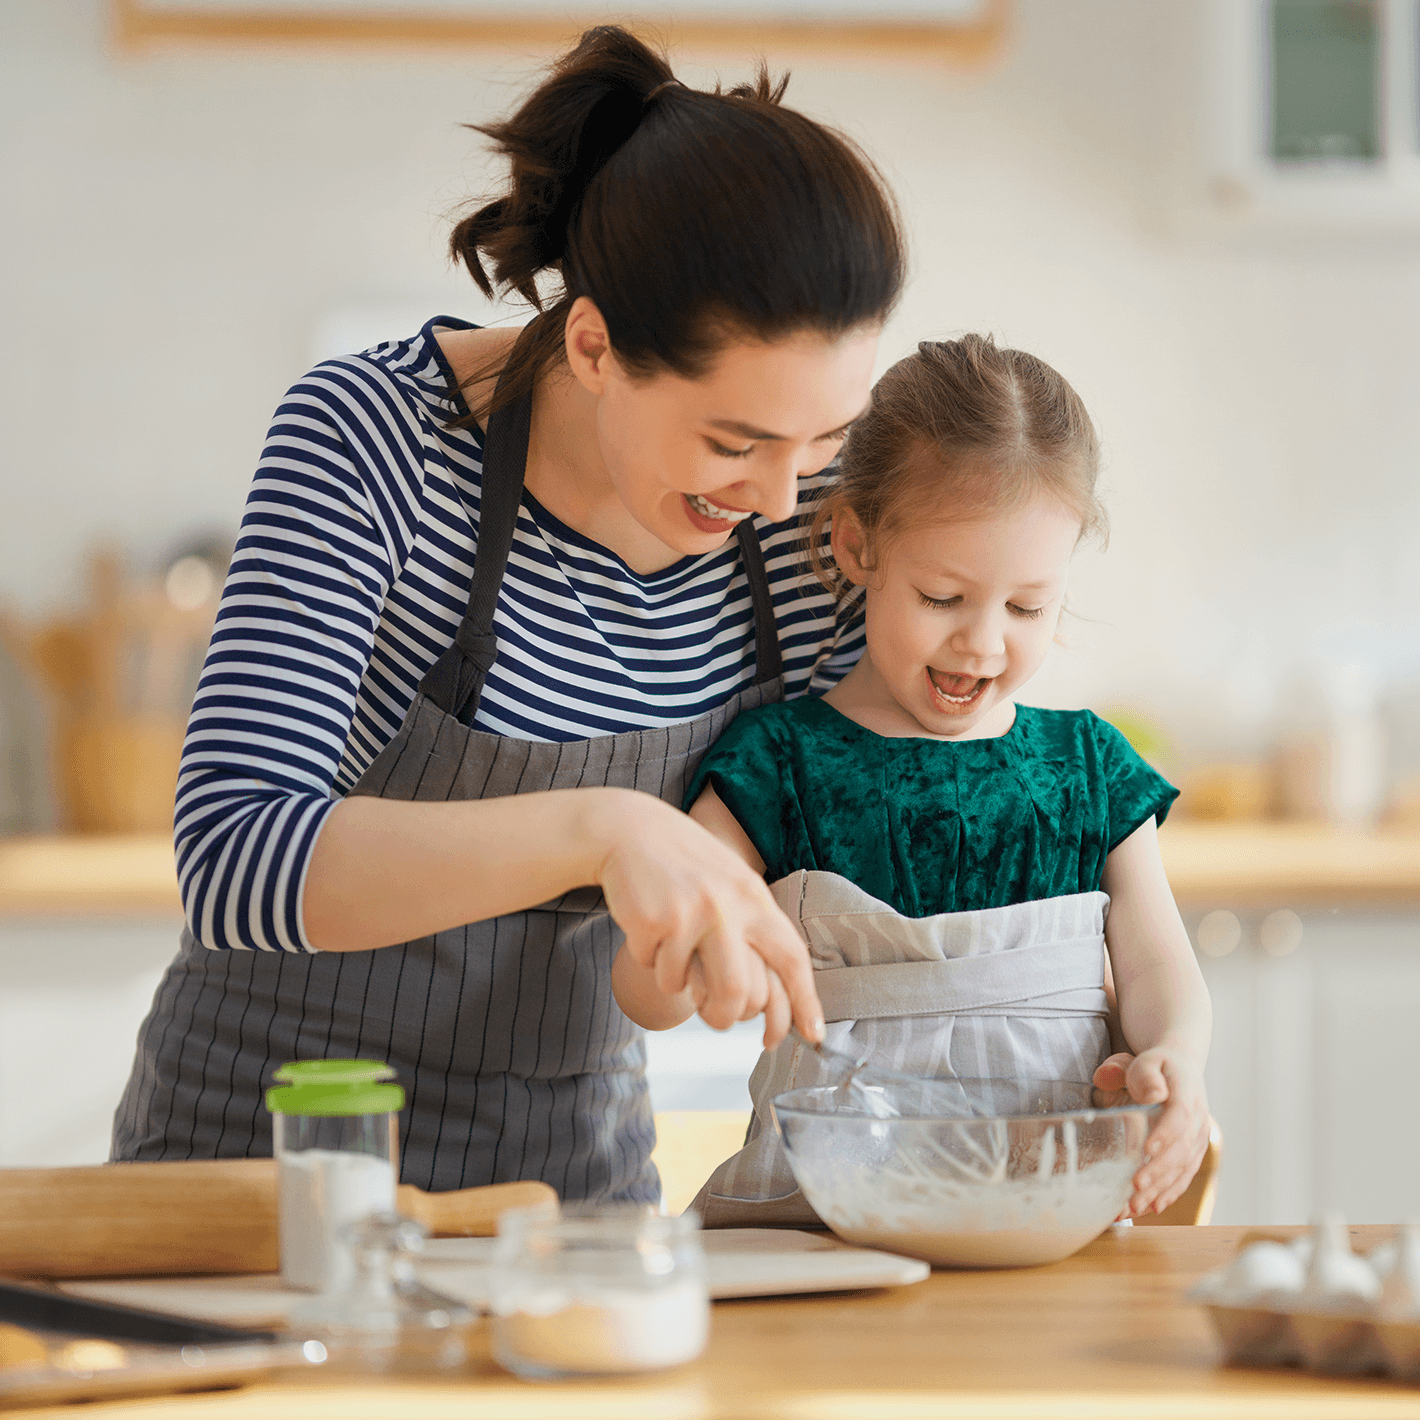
1332	760
1400	715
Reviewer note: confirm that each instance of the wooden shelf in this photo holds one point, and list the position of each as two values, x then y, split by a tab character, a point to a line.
1290	865
118	875
969	42
1210	865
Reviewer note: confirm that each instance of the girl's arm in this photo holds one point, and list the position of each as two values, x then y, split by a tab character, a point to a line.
1165	1014
747	974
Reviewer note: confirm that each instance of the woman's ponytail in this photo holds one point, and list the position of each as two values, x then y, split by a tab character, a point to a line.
683	215
557	141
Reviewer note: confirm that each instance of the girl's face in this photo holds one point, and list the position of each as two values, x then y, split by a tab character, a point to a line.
961	614
689	459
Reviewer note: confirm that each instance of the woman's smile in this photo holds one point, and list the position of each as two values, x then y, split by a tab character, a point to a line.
709	516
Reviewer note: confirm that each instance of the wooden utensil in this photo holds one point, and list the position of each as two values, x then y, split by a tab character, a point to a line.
204	1216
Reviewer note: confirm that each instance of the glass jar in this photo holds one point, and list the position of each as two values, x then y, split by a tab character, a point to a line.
386	1320
597	1291
335	1128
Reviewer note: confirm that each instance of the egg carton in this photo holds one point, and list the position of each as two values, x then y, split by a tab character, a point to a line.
1312	1302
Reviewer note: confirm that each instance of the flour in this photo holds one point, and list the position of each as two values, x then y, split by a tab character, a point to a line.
601	1330
974	1197
321	1190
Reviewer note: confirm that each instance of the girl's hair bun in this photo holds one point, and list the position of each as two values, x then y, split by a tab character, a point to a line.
685	215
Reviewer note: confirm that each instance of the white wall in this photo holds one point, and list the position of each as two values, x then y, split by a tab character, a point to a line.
182	227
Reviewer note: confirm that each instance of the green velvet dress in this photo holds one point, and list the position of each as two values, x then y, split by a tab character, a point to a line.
930	825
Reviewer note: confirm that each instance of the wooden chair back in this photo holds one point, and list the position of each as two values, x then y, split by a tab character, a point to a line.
690	1145
1195	1204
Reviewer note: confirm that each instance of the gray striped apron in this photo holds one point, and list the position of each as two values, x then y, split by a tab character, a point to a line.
1005	992
516	1059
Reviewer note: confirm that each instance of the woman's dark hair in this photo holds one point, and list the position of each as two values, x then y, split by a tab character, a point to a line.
958	430
687	217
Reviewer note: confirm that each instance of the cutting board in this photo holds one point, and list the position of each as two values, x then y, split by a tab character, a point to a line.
742	1262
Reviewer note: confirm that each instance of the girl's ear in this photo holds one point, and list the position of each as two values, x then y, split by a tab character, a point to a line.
588	345
850	546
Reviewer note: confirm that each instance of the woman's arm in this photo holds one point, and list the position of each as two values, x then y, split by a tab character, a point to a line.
1165	1014
702	930
270	859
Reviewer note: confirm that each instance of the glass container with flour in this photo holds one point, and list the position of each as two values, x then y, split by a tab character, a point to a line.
597	1291
335	1131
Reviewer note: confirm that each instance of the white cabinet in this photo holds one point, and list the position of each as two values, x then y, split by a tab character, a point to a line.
72	996
1314	1069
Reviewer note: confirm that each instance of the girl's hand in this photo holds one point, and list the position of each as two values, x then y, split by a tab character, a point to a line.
699	918
1179	1138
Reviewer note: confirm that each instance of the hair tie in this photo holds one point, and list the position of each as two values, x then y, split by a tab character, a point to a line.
660	89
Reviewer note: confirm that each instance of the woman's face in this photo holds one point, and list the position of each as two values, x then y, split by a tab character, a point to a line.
690	459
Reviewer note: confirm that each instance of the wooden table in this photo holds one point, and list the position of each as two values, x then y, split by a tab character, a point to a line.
1104	1335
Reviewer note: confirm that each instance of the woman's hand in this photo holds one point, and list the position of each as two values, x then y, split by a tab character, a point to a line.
1179	1138
701	922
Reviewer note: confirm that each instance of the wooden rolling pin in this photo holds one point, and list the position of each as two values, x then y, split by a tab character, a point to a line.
207	1216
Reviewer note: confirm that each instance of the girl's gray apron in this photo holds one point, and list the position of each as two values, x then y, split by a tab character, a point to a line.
517	1061
1005	992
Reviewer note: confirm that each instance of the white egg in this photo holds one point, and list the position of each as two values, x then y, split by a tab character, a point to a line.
1410	1258
1402	1274
1265	1267
1336	1273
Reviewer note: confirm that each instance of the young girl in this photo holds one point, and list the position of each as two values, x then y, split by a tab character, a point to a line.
917	814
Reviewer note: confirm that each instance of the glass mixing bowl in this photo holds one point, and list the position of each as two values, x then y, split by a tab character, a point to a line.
963	1173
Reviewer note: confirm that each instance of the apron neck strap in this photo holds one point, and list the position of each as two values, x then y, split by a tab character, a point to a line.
455	681
768	659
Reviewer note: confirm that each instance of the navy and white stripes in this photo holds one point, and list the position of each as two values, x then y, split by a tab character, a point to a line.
350	577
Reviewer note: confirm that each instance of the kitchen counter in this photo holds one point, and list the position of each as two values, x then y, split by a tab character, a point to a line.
1209	864
1105	1334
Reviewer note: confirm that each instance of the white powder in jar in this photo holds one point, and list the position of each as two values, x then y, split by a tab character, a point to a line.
321	1190
602	1330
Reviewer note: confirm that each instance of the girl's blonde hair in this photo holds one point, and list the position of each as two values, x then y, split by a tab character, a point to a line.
960	429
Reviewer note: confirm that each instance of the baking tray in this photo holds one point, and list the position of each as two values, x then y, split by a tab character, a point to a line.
160	1353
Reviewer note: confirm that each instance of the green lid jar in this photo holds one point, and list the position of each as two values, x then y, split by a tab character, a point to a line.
335	1134
335	1088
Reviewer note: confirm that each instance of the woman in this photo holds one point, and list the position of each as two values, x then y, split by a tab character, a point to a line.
458	683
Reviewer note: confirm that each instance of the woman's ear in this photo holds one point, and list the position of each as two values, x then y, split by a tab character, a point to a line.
850	546
588	346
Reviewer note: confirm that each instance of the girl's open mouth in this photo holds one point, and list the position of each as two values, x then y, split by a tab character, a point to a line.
955	693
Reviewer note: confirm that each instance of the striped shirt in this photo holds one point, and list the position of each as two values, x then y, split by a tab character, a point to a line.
350	577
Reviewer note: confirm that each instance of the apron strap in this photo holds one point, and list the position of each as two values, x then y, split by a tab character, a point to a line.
768	659
1044	979
455	681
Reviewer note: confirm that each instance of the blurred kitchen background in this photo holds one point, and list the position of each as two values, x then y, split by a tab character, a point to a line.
1205	213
